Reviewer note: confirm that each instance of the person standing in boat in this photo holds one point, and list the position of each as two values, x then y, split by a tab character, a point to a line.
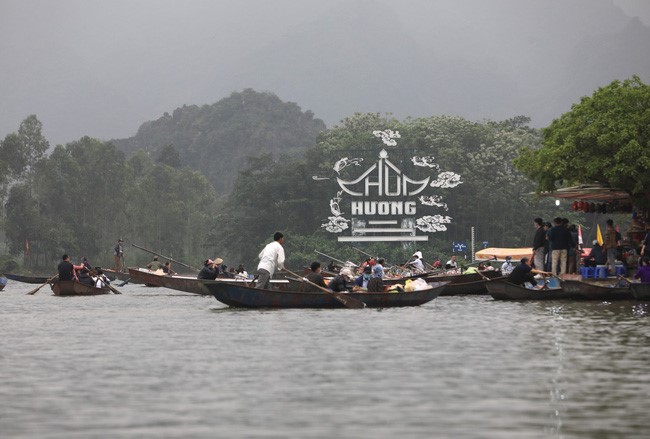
560	239
523	273
155	265
271	259
67	269
539	244
118	254
610	243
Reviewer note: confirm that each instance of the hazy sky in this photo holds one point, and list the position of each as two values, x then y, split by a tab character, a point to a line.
101	68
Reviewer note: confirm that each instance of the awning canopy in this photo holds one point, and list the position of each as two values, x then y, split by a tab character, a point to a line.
589	192
516	253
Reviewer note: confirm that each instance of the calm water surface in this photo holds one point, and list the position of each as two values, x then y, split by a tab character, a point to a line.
159	363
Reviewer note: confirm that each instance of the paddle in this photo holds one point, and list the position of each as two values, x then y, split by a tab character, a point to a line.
112	288
166	257
46	282
346	300
124	283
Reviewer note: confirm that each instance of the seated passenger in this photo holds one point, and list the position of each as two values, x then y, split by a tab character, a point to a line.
315	277
523	273
210	269
361	282
342	282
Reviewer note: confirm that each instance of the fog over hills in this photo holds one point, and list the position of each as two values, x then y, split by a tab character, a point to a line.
103	68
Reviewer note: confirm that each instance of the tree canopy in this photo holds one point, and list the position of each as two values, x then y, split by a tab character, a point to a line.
605	138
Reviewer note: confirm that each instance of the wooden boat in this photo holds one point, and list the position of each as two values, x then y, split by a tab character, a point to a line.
119	275
597	291
74	288
640	291
500	289
248	297
188	284
27	279
471	287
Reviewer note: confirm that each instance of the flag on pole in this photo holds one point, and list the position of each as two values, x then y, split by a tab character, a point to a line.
599	236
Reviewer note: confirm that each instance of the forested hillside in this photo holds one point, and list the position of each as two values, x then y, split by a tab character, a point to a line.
217	139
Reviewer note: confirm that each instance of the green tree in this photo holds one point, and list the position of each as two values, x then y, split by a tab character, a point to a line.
605	138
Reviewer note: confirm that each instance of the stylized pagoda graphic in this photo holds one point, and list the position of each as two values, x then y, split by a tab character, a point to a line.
383	199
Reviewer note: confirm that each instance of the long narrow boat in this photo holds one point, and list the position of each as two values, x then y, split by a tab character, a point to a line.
593	291
189	284
27	279
119	275
500	289
247	297
458	284
471	287
640	291
73	288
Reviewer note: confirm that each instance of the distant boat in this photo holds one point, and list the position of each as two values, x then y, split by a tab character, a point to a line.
3	282
74	288
119	275
27	279
189	284
248	297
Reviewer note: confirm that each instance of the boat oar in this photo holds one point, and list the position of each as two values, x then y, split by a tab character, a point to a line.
124	283
346	300
113	289
41	286
166	257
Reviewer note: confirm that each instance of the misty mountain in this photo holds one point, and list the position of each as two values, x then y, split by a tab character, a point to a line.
217	139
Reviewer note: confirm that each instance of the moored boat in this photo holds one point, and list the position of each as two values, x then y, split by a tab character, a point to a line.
120	275
188	284
248	297
500	289
592	291
74	288
27	279
640	291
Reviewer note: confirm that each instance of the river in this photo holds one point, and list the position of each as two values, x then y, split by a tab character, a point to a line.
153	362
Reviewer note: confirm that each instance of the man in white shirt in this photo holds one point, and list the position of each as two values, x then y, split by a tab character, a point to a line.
417	263
507	267
271	259
451	263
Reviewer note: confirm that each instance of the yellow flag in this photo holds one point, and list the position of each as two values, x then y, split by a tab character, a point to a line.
599	236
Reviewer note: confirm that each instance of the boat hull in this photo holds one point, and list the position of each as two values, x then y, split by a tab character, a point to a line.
589	291
119	275
27	279
189	284
499	289
73	288
640	291
247	297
